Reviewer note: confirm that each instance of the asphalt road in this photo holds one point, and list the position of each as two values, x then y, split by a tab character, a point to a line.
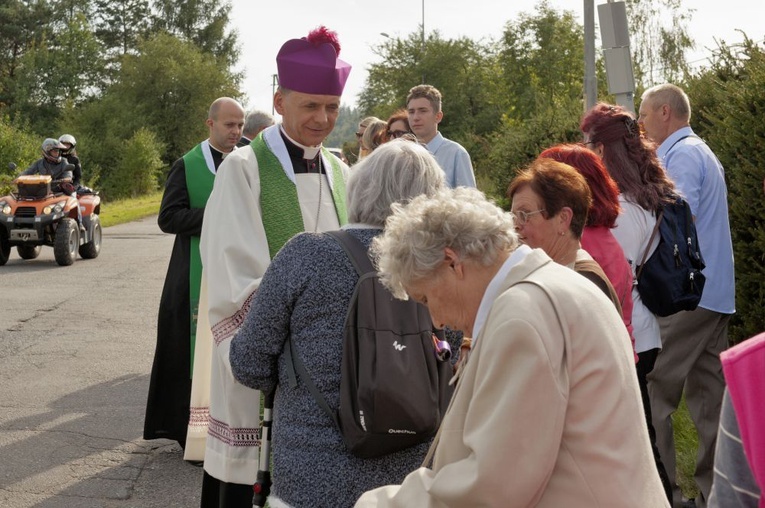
76	347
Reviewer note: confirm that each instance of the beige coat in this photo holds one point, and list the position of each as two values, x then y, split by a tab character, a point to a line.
547	412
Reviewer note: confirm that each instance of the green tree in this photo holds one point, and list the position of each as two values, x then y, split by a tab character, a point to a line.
461	69
120	23
659	39
203	22
65	68
167	88
542	61
137	168
22	27
728	106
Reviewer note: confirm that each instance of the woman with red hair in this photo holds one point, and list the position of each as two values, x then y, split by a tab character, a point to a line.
597	238
612	133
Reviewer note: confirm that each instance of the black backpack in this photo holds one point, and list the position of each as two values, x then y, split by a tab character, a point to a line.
671	279
394	389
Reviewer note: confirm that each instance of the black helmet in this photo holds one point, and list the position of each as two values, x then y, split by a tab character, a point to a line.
67	138
52	144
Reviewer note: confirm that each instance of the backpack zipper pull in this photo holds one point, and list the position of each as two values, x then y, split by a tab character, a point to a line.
677	257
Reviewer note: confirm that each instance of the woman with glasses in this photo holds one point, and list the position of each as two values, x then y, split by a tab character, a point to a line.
612	133
550	201
597	237
398	124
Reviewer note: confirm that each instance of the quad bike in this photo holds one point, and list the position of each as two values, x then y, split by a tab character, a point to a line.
35	215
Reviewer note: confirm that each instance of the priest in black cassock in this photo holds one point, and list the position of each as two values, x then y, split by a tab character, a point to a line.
188	187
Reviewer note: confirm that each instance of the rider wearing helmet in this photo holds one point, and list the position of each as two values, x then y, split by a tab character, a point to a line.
70	154
52	164
60	170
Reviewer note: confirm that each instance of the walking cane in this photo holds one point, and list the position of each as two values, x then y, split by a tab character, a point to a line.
262	487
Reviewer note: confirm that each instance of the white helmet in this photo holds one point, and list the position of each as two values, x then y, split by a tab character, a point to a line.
68	138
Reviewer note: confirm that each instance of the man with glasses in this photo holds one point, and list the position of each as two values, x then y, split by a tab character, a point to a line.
423	105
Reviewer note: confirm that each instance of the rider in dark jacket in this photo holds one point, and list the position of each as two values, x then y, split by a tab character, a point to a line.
69	152
58	168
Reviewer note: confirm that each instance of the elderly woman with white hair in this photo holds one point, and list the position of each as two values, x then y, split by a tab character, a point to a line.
547	410
304	296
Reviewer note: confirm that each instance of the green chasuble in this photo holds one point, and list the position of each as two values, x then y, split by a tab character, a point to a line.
199	183
279	205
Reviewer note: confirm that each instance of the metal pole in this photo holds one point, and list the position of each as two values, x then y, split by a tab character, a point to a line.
273	91
590	79
423	41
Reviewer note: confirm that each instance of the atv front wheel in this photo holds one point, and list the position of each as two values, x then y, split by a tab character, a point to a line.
5	248
67	241
91	249
28	251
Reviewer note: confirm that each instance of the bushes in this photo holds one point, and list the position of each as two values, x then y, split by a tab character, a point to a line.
18	146
138	164
728	109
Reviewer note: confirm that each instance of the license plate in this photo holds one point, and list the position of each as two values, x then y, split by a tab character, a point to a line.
23	235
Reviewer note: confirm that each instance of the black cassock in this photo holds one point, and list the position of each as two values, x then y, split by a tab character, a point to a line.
167	406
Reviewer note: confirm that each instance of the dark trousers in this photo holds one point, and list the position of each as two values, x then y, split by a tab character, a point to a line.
218	494
645	364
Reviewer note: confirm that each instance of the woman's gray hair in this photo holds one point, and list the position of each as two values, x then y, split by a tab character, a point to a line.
412	246
396	172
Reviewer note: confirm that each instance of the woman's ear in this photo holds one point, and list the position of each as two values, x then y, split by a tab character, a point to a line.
452	260
566	215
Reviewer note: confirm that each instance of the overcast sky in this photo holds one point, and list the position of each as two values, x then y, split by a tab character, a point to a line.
264	26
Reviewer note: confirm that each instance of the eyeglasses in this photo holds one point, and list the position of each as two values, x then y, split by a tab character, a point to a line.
522	217
396	134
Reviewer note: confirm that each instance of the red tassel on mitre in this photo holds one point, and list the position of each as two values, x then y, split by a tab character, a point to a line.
324	35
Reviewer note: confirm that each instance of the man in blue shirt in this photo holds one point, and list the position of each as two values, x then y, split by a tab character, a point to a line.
692	341
423	106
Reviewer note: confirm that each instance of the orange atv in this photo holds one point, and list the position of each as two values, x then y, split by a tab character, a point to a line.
35	215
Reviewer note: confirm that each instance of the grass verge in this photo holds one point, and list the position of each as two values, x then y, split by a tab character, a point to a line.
686	445
127	210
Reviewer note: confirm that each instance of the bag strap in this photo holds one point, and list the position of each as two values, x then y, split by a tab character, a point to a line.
679	140
650	242
356	251
296	369
427	462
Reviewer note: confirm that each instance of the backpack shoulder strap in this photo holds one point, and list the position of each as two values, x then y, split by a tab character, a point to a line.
356	251
296	370
650	242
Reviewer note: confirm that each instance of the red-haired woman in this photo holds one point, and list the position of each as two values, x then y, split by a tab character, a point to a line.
597	238
612	133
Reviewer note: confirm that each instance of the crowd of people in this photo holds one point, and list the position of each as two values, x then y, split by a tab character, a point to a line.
566	381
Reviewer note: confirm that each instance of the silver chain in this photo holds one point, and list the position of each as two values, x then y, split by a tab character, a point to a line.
318	211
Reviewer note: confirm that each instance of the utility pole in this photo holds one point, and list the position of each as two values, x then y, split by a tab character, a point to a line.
615	35
422	44
274	82
590	78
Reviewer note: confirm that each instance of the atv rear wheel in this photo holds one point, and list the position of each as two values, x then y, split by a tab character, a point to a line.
67	241
28	251
91	249
5	248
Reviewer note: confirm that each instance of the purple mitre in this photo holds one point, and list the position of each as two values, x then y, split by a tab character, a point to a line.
311	64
